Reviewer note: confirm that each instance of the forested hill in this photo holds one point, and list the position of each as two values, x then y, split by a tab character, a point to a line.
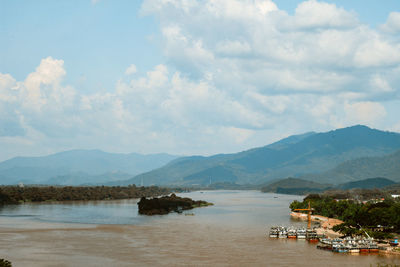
366	167
297	186
291	157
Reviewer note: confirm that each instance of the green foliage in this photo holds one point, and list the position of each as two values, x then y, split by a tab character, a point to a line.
16	195
5	263
294	186
360	168
378	218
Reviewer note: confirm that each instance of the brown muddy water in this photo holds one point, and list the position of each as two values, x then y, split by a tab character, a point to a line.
111	233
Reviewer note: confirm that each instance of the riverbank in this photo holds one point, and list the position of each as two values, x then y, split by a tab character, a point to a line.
326	224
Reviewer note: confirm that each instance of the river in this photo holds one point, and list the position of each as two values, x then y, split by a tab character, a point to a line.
111	233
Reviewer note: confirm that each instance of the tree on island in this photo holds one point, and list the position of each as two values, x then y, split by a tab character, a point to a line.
5	263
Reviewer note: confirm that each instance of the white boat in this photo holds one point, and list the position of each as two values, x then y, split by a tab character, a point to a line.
273	232
282	233
301	233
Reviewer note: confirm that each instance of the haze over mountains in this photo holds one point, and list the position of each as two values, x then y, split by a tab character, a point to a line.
333	157
78	167
295	156
384	166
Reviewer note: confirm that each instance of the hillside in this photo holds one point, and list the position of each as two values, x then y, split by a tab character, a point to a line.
78	167
295	186
367	184
366	167
290	157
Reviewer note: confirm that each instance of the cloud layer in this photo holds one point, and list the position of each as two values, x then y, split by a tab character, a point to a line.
239	73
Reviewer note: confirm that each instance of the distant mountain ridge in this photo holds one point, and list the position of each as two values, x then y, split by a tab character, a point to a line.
387	166
290	157
333	157
369	183
297	186
79	167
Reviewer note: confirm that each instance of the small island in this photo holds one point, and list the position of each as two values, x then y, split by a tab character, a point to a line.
167	204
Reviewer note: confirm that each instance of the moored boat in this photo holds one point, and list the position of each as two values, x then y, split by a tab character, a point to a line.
364	248
292	233
353	249
394	243
312	236
373	247
301	233
282	233
273	233
339	247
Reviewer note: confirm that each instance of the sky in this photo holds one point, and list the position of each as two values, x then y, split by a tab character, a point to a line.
192	76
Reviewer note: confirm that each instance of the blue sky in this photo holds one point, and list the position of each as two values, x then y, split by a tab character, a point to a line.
192	77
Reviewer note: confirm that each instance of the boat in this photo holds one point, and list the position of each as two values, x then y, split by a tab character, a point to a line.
394	243
311	236
292	233
364	248
373	247
273	232
301	233
282	233
325	243
339	247
353	248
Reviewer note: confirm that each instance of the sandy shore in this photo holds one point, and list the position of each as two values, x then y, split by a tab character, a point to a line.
326	223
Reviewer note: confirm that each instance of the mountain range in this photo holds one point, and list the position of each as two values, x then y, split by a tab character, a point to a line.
77	167
296	156
387	166
334	157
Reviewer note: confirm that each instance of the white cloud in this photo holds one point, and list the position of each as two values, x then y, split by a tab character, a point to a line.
380	84
392	24
131	70
365	112
232	48
7	86
321	48
395	127
237	73
44	84
315	14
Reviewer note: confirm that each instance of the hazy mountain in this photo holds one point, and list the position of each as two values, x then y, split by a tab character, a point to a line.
366	167
301	187
378	182
79	167
295	186
291	157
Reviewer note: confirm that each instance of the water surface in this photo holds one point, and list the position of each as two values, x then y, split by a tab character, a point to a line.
230	233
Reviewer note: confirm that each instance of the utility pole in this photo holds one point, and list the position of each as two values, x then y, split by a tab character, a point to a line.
309	214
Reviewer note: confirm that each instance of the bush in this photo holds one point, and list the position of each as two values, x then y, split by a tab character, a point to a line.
5	263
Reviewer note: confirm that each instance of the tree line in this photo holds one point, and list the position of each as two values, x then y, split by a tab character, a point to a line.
380	218
16	194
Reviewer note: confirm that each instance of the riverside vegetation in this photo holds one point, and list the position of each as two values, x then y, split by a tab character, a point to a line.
167	204
379	216
5	263
17	195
